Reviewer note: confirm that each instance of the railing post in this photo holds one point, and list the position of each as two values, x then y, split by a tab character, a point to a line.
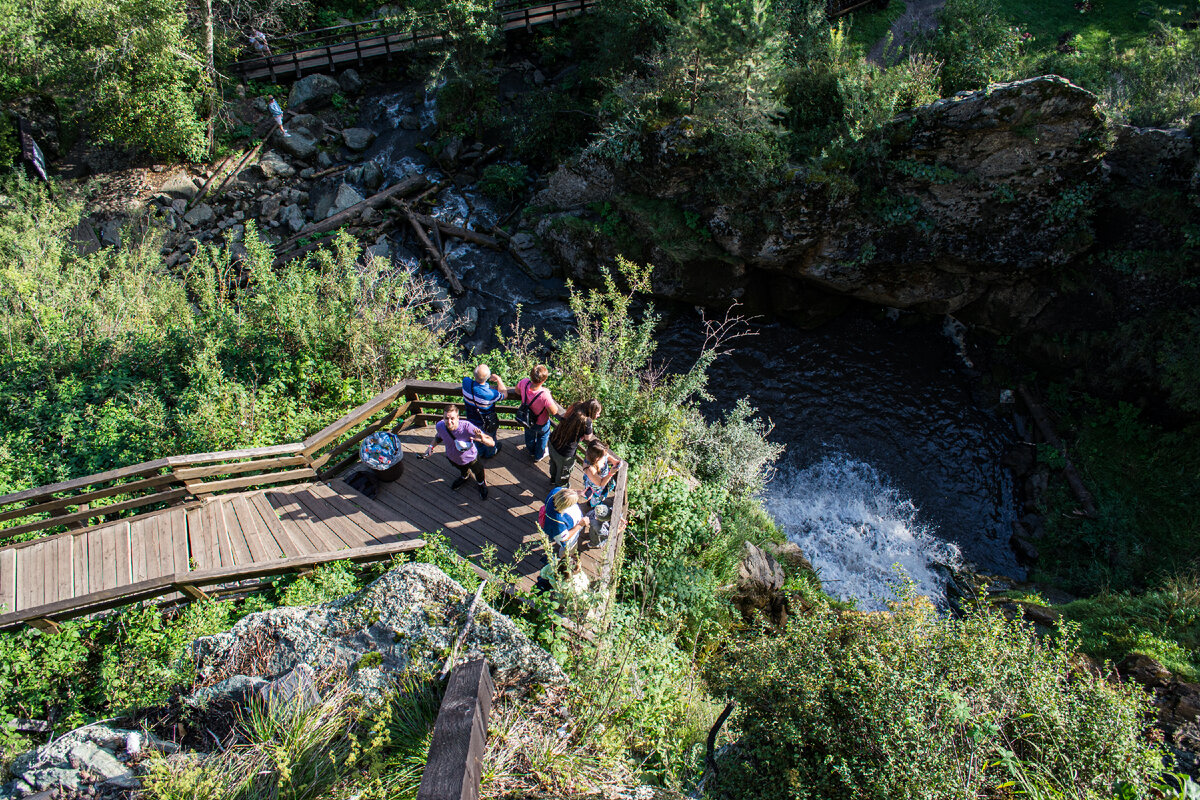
454	768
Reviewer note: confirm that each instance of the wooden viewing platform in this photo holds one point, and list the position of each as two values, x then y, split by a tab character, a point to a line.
214	523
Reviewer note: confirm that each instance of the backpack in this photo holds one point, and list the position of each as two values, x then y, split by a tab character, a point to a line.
525	416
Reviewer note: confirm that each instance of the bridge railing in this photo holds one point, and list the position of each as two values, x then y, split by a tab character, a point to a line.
105	497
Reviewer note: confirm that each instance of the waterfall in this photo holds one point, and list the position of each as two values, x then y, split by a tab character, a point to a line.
859	532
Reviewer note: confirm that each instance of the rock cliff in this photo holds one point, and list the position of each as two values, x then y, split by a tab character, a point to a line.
969	205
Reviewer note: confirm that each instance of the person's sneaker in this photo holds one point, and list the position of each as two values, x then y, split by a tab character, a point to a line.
482	491
457	482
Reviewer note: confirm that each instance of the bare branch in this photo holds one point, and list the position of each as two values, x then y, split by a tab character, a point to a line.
719	335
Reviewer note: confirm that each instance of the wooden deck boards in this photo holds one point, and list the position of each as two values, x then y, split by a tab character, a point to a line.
311	522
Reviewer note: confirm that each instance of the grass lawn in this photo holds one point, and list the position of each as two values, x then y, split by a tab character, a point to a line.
868	26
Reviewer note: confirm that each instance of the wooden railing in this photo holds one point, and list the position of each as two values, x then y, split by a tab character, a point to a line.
454	767
353	43
99	499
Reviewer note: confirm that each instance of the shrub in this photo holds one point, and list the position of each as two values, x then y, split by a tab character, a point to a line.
504	181
975	44
917	705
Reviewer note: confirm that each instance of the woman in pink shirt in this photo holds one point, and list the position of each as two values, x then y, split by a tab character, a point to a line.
460	436
534	393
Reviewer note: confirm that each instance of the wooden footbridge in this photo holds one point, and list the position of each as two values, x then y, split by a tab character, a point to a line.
355	44
193	526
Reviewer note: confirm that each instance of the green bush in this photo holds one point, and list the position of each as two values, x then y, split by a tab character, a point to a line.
504	181
976	44
110	360
1163	623
917	705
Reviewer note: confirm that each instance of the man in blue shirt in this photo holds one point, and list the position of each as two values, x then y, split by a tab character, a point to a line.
480	400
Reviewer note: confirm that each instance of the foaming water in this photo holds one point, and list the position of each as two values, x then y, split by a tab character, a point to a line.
858	531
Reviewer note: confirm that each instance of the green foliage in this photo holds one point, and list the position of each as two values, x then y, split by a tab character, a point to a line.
9	149
108	362
914	704
976	44
734	453
468	104
504	181
1179	359
308	752
326	582
1163	623
129	66
1142	478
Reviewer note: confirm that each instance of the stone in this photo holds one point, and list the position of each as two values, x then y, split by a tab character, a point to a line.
468	320
345	198
297	145
382	250
370	216
295	690
410	122
324	160
110	232
311	92
293	217
94	754
791	556
270	208
200	215
350	82
1039	615
179	207
271	165
309	124
179	185
1144	670
371	176
407	620
358	139
451	150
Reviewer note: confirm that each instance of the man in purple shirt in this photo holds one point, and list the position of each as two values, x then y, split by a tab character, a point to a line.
460	437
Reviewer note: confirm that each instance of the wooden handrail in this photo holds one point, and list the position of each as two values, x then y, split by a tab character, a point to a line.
454	767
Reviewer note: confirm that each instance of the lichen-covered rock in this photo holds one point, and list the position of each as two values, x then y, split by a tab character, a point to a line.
96	754
406	621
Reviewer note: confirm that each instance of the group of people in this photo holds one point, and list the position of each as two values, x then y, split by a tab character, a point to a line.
471	441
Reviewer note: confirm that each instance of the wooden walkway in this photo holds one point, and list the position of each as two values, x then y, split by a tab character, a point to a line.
226	535
357	43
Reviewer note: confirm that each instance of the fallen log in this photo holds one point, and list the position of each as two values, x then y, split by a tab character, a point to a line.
455	285
1042	420
405	187
466	234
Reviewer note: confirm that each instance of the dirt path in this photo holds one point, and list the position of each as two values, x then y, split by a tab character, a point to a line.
919	18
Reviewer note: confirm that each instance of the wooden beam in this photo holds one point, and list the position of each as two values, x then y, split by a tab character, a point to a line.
330	432
39	492
200	488
83	499
413	183
374	552
455	763
45	625
455	284
195	459
192	473
191	591
80	516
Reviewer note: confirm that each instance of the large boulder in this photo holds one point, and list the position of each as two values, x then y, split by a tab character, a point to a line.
358	139
271	165
97	754
350	81
296	145
179	185
346	196
408	620
200	215
312	92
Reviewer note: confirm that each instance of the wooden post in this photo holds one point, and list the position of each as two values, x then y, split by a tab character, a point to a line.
194	592
47	625
455	760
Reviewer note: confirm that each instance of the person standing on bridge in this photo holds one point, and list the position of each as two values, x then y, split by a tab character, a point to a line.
460	438
480	400
276	112
536	397
258	40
